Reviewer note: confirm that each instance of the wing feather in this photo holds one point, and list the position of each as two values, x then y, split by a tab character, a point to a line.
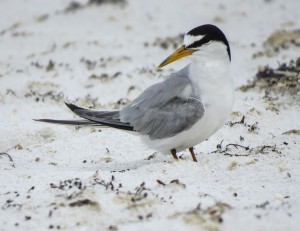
108	118
161	111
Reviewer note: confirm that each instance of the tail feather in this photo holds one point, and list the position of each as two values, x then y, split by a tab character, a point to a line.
69	122
92	118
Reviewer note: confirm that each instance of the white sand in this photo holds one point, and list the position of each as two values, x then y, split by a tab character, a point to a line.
257	190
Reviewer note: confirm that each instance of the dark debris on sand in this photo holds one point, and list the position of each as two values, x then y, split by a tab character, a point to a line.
278	41
275	82
168	42
99	2
75	6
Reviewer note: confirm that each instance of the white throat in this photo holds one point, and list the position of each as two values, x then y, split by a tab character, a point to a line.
209	69
213	52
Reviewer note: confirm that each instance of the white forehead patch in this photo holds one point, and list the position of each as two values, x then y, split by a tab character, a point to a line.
190	39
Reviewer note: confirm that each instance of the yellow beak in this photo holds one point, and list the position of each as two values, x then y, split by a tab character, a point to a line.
178	54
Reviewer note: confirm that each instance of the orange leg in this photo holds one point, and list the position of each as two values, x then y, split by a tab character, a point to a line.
173	151
193	154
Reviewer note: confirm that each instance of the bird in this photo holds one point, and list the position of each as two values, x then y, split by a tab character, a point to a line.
186	107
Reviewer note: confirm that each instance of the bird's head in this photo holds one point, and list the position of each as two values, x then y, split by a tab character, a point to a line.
205	40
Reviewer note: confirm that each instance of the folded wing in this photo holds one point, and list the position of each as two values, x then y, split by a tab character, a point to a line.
163	110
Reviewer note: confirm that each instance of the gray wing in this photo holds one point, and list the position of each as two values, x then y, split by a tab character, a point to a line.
160	112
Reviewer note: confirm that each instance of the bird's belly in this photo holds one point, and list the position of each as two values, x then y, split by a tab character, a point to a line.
213	119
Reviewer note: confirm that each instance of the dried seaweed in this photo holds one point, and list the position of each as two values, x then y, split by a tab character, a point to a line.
240	150
52	95
282	81
75	6
168	42
115	2
278	41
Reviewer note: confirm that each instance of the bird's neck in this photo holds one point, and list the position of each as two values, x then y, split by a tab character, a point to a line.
209	73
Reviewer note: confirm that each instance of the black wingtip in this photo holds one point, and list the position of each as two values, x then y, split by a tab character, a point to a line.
71	106
69	122
42	120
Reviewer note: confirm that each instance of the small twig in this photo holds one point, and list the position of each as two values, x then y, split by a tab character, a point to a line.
229	154
152	156
176	181
267	146
219	147
160	182
9	157
242	121
237	145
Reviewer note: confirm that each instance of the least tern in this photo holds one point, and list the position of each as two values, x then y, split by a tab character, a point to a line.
183	110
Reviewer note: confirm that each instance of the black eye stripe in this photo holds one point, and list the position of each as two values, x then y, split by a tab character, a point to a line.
199	43
211	33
